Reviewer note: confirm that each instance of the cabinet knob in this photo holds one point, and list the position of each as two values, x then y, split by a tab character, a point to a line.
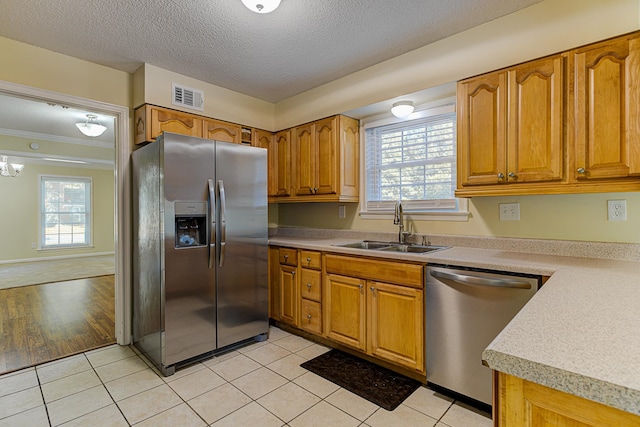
309	316
309	286
308	260
293	273
372	289
310	189
500	175
581	170
512	175
286	257
360	287
315	189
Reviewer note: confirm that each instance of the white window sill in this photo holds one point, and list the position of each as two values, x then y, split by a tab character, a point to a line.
460	216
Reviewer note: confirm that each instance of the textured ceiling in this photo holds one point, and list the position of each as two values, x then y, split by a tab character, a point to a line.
301	45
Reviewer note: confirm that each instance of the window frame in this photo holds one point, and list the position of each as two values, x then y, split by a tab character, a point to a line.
88	181
384	210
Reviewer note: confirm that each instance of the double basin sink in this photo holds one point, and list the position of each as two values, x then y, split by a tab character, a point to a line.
373	245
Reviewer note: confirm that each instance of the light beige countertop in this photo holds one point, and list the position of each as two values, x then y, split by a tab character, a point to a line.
579	334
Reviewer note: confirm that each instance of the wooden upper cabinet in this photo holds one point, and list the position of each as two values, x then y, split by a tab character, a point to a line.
481	117
326	161
306	156
510	125
535	139
282	164
221	131
606	100
151	121
264	139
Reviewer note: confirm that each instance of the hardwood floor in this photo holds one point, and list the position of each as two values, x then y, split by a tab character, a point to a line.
40	323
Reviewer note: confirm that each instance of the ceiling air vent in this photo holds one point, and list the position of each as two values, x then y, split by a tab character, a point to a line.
187	97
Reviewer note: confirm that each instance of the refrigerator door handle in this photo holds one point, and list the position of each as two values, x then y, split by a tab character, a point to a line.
223	221
212	215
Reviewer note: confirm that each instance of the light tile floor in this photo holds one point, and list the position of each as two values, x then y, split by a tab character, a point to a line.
258	385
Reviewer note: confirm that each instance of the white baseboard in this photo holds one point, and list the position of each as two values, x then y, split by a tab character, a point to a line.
49	258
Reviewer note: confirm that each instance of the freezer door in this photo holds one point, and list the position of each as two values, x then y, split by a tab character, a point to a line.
189	215
241	177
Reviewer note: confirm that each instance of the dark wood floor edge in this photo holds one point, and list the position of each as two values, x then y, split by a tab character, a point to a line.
422	378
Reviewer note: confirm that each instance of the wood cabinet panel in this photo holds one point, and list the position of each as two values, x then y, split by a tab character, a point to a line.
310	284
326	138
282	167
526	404
274	283
288	294
482	129
310	259
288	256
349	167
221	131
306	154
396	324
535	141
376	269
345	312
310	316
606	132
151	121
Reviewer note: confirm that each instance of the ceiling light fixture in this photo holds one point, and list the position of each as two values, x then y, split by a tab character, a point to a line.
91	128
10	169
402	109
261	6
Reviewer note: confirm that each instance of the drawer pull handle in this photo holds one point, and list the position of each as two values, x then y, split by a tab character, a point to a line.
581	171
309	286
309	316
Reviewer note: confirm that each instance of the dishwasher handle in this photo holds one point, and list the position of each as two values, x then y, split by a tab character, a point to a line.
480	281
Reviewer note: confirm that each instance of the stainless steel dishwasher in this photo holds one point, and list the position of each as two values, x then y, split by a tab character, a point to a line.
465	310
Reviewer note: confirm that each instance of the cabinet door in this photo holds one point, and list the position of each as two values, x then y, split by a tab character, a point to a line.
310	316
606	98
395	324
221	131
310	281
326	167
288	294
482	130
274	283
526	404
282	167
345	310
349	149
264	139
535	143
173	121
306	154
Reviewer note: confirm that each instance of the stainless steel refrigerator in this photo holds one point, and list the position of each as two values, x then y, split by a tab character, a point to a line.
200	248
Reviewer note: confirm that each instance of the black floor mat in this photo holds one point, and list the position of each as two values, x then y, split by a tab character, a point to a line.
378	385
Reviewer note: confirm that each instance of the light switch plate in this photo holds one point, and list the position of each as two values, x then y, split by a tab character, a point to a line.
616	210
509	211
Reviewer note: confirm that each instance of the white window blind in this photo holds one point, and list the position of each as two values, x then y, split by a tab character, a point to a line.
413	161
65	211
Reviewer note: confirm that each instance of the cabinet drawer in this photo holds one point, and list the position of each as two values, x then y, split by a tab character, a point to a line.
376	269
310	259
288	256
310	316
310	282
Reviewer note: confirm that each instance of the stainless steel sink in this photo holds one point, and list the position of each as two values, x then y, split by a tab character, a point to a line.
368	244
417	249
392	247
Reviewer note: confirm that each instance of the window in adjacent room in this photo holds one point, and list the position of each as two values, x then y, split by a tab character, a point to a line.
413	161
65	211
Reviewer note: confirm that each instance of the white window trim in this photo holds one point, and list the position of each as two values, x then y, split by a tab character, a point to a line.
442	106
41	245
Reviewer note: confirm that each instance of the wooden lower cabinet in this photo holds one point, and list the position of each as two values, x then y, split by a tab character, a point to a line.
345	310
395	324
385	320
288	294
525	404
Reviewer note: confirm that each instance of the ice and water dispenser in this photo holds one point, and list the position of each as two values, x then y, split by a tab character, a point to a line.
191	224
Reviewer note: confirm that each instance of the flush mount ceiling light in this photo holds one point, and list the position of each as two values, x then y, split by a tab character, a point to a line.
261	6
91	127
9	169
402	109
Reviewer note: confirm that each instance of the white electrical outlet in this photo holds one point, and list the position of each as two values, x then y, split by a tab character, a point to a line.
342	211
616	210
509	211
33	245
